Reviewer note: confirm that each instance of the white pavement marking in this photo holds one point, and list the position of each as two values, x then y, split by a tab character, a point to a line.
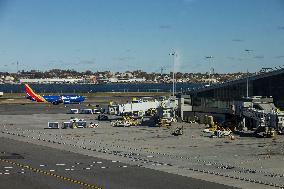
60	164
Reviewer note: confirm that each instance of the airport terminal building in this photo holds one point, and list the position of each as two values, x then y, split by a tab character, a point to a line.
268	84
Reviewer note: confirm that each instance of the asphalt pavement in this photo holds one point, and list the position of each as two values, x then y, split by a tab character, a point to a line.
26	165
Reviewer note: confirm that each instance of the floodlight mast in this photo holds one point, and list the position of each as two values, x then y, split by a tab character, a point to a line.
174	54
210	67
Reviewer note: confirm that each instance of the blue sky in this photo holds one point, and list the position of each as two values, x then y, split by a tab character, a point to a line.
121	35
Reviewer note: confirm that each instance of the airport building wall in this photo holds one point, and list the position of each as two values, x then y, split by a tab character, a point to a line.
222	95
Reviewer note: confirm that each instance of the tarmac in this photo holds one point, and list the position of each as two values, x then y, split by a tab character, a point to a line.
35	166
130	157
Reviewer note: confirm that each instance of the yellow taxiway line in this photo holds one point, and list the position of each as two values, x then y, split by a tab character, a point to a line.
51	174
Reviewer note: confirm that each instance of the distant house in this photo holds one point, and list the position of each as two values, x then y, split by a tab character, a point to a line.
132	80
52	80
9	79
212	80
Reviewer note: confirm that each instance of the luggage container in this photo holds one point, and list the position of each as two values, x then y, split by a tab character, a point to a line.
53	125
73	111
81	124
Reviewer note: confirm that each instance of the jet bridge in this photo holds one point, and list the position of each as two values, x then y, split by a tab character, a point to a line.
261	115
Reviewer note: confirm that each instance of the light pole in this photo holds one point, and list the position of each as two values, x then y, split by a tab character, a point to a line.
210	69
247	80
247	84
17	67
174	54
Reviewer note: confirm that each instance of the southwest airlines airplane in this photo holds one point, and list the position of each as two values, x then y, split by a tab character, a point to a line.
65	99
